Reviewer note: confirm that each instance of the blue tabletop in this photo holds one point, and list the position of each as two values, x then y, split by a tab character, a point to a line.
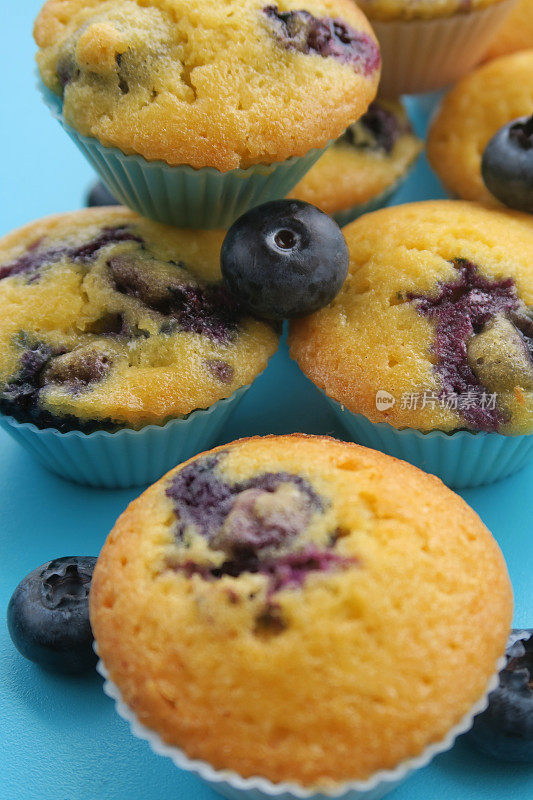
61	738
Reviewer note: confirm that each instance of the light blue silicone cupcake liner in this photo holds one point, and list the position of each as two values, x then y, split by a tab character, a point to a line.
180	195
125	457
461	459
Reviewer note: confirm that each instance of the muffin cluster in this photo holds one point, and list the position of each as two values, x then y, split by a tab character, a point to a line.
284	615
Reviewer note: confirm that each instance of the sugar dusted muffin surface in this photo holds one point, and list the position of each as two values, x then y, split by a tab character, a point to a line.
471	113
294	607
224	85
437	312
419	9
369	158
108	319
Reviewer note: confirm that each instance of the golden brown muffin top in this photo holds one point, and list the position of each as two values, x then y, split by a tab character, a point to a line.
110	319
370	157
300	609
225	85
471	113
436	311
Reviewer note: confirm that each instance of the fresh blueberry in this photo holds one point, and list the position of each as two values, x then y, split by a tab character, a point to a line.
99	195
507	164
284	259
505	729
48	615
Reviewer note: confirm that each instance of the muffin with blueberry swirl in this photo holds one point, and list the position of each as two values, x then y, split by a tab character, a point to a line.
431	332
278	588
181	86
110	321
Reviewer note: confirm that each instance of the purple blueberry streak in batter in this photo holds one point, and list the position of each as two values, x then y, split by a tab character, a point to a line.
33	259
289	570
324	36
459	311
255	539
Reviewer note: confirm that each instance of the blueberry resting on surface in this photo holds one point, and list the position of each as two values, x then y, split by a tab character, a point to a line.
505	729
507	164
48	615
99	195
284	259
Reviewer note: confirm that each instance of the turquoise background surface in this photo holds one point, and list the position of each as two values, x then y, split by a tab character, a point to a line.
60	737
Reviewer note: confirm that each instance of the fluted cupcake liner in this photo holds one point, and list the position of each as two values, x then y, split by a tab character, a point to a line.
181	195
235	787
125	457
421	55
460	459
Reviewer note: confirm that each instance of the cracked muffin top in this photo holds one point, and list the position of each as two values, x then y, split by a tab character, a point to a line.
420	9
224	85
471	113
437	312
280	588
369	158
108	319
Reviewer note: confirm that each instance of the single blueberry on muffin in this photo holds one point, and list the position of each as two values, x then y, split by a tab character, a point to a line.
472	112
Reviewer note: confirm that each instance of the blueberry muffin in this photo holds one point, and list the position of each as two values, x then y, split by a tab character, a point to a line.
516	33
292	607
222	85
110	320
436	314
366	162
471	113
